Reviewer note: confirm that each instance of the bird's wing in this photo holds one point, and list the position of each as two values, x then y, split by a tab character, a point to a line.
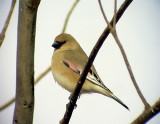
92	76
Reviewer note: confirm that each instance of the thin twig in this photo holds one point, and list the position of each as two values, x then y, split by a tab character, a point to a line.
115	36
75	94
115	10
130	71
42	75
2	34
148	114
2	107
105	18
68	15
35	82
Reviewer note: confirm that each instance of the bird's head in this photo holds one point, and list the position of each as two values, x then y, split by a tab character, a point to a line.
65	42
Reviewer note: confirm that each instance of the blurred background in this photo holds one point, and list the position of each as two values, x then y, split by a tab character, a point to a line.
138	31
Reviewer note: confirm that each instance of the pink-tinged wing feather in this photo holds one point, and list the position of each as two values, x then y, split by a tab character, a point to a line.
75	68
72	66
91	76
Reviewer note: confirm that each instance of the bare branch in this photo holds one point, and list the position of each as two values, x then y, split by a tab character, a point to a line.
146	115
115	10
115	36
2	34
130	71
68	15
35	82
105	18
42	75
75	94
24	105
7	104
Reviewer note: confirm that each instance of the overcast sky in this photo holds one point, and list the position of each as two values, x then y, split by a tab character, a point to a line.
138	31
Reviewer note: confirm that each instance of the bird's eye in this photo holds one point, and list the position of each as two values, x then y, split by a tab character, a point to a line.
63	42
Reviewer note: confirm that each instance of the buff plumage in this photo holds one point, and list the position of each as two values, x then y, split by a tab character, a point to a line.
68	62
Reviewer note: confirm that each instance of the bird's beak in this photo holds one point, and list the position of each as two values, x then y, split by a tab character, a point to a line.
56	45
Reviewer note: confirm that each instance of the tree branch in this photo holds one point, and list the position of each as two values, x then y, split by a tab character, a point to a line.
147	106
2	34
115	16
105	18
75	94
24	106
35	82
68	15
115	36
42	75
146	115
7	104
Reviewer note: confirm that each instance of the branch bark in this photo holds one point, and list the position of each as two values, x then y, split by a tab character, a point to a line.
75	94
24	106
146	115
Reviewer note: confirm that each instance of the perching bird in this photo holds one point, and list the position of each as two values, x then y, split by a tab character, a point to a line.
68	62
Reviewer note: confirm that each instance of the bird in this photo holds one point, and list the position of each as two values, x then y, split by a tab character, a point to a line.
68	62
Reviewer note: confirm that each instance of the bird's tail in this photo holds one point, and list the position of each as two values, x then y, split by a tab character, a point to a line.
105	91
118	100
